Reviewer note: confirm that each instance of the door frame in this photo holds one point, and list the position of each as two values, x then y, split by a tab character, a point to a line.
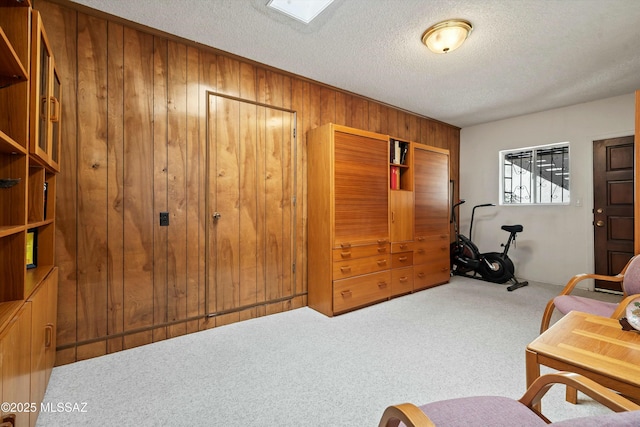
634	208
209	220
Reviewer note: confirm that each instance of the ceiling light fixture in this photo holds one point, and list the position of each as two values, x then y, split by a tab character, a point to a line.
302	10
447	36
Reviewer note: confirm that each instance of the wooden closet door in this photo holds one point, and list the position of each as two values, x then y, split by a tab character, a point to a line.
250	204
401	212
361	190
431	172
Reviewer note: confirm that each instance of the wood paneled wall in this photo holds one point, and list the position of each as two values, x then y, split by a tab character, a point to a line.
134	144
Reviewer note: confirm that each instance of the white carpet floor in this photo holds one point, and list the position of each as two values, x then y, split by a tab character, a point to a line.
300	368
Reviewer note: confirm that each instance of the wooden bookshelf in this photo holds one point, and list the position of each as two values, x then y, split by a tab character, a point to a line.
28	296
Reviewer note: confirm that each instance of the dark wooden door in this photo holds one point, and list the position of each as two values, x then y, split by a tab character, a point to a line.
613	173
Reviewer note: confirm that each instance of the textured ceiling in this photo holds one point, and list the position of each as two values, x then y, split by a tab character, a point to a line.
523	56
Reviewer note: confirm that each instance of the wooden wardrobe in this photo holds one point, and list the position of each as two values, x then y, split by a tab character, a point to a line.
378	218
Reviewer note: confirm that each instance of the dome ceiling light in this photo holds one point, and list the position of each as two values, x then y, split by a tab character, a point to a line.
447	36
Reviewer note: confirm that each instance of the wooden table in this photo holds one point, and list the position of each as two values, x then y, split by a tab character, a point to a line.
593	346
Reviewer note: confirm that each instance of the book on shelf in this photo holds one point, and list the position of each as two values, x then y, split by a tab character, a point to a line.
398	152
392	150
404	148
395	177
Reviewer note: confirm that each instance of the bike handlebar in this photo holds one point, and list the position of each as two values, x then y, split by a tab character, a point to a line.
473	212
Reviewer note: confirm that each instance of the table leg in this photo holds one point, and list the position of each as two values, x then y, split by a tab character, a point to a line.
532	371
572	395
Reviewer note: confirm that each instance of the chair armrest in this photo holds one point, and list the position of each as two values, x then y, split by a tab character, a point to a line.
571	284
597	392
408	413
568	288
622	307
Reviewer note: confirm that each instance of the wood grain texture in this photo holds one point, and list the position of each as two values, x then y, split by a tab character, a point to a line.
275	172
297	104
361	191
92	178
251	240
320	142
160	184
138	182
431	192
195	189
592	346
148	128
208	65
176	187
61	24
15	351
252	283
115	157
227	229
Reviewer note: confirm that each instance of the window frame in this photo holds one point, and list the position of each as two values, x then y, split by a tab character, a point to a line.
534	174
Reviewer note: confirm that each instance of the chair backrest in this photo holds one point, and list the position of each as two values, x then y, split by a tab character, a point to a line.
631	281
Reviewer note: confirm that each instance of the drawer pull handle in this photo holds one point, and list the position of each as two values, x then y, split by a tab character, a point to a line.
420	239
402	258
382	262
43	107
346	293
345	254
420	275
443	236
382	241
382	285
444	269
383	249
404	279
403	246
444	248
55	109
345	269
345	245
8	420
420	251
48	335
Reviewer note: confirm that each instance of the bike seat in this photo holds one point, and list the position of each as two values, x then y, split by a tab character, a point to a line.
512	228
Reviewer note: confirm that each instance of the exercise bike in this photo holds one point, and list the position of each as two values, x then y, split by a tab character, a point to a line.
468	261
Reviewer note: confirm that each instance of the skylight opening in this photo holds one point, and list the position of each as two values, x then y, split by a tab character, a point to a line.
302	10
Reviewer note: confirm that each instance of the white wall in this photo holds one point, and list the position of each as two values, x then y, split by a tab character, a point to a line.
557	241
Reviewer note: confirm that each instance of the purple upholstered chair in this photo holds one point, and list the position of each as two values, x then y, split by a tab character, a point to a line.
504	412
564	302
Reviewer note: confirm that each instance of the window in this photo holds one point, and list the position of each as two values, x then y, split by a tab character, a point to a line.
536	175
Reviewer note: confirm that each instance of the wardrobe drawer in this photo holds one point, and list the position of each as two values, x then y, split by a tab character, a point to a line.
401	247
361	290
401	281
431	250
431	274
343	254
444	236
403	259
431	240
356	267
